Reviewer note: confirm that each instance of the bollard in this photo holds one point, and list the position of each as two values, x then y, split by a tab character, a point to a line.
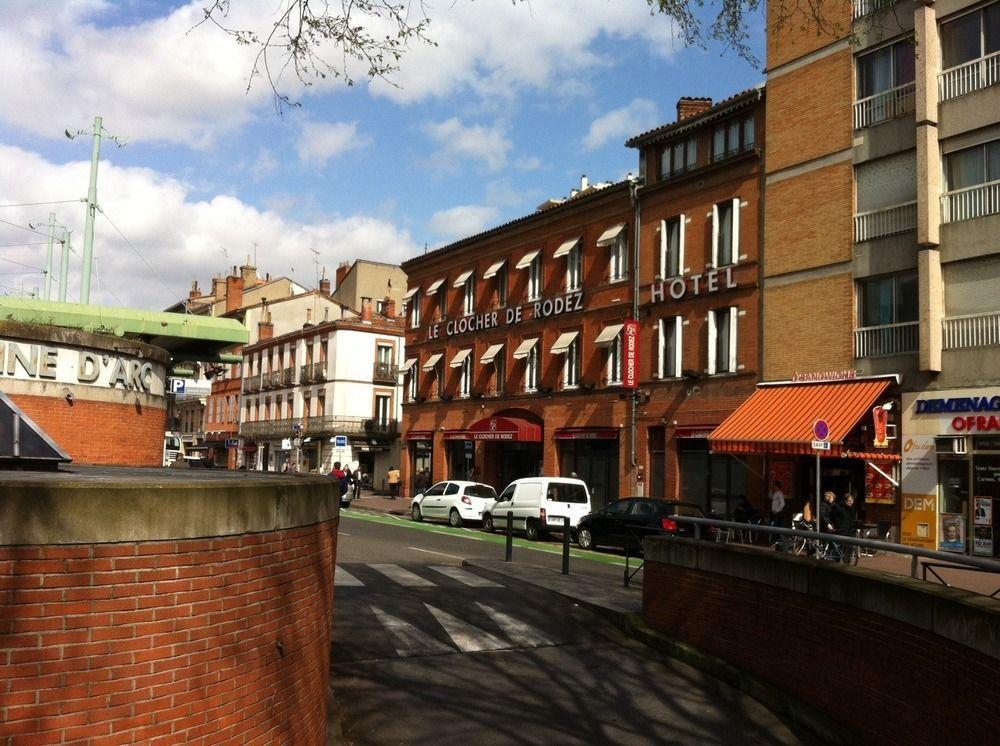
565	545
510	536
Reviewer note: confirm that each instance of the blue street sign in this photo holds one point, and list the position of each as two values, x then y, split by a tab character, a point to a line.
232	442
340	441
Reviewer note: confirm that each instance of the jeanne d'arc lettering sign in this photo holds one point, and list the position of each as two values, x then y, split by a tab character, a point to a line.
539	309
678	288
52	363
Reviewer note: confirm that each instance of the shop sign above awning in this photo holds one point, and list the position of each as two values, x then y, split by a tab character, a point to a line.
779	418
527	259
407	365
610	234
524	348
493	269
562	344
565	247
506	428
434	286
607	335
456	362
491	352
456	435
462	278
432	361
420	435
586	433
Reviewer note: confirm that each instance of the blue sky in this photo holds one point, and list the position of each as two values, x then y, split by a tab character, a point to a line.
509	109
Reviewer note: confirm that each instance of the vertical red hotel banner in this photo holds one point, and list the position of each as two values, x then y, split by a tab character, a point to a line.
630	363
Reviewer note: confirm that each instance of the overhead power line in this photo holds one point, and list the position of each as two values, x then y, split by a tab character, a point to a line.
24	228
38	204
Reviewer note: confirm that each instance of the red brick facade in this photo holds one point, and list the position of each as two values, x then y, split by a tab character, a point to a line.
219	640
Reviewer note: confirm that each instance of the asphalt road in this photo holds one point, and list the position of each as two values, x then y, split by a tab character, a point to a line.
427	652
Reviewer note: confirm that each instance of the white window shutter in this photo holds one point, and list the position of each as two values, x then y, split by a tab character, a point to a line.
660	348
715	235
733	315
678	354
736	230
680	246
711	342
664	269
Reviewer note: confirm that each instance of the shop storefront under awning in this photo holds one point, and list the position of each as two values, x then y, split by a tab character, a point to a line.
779	418
505	428
420	435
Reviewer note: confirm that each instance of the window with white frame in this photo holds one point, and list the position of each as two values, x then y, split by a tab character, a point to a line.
970	37
668	364
501	280
726	233
442	301
571	366
574	267
535	278
465	377
618	261
415	309
500	373
749	136
412	383
383	409
722	340
532	369
614	370
469	302
672	246
726	140
679	157
439	378
973	166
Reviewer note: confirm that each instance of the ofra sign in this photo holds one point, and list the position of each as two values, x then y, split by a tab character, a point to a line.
540	309
703	282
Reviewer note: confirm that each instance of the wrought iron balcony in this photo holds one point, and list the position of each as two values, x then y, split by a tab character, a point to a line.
288	376
385	373
305	373
323	425
319	371
251	385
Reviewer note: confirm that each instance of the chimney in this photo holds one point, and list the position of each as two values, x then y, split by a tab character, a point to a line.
195	292
390	308
584	183
234	293
689	106
324	286
265	329
218	288
249	275
366	309
342	271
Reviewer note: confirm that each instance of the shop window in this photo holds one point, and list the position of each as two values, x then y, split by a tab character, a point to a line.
669	347
618	260
725	233
891	299
535	278
672	247
722	340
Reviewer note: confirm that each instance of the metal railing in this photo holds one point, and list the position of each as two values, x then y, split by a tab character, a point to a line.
251	385
288	376
886	221
385	372
305	373
974	330
322	425
972	202
884	106
319	371
864	8
889	339
915	553
972	76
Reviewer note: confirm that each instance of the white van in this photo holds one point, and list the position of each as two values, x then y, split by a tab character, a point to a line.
539	504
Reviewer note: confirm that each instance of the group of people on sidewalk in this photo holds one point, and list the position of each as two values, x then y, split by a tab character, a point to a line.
840	517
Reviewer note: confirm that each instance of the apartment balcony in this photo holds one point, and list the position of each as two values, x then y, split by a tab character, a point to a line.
305	373
288	377
974	330
251	385
972	202
970	77
385	373
887	221
324	425
888	339
864	8
319	371
885	106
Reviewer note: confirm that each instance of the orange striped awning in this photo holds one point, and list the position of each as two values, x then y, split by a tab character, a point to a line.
779	418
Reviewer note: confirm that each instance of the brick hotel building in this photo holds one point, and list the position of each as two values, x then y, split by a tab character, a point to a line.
517	342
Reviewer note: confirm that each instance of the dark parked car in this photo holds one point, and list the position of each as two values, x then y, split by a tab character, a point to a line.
629	520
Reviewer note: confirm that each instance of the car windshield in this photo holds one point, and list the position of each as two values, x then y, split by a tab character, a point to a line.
563	492
481	490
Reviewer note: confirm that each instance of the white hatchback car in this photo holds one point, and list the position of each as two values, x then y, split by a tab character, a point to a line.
453	501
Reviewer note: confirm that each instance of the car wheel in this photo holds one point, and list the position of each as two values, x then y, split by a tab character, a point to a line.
584	539
488	523
415	513
454	519
531	531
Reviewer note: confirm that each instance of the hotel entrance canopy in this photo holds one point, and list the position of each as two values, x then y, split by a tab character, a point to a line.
779	418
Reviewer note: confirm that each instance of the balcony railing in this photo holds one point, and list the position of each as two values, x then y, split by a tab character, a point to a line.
385	372
972	76
889	339
887	221
974	330
971	202
885	106
251	385
864	8
305	373
319	371
325	425
288	376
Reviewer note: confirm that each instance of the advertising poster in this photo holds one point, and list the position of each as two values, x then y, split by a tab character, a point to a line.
878	489
984	511
919	487
952	532
982	541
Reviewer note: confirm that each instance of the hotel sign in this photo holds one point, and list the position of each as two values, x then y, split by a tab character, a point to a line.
703	282
539	309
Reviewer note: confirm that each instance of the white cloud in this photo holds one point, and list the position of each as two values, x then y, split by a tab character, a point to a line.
461	221
640	115
320	141
264	165
476	142
178	237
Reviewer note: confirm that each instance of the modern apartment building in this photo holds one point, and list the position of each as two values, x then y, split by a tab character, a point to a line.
882	258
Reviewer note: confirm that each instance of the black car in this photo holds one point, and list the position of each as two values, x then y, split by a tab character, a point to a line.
629	520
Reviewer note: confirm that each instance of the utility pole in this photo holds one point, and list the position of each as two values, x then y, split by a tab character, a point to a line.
48	261
88	230
64	264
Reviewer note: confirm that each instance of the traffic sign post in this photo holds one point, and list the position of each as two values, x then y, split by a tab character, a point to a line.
821	431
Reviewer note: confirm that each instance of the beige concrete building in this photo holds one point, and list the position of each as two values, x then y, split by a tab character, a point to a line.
376	281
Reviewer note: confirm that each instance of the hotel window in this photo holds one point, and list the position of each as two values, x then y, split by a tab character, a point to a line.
434	366
499	374
465	378
574	267
891	299
614	372
535	278
669	347
414	309
466	282
726	233
618	262
971	37
383	410
672	247
722	340
502	286
412	382
442	302
439	378
532	368
679	158
568	345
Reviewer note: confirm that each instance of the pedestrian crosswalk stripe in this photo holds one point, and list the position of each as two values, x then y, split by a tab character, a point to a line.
467	638
462	576
401	576
411	640
343	578
520	633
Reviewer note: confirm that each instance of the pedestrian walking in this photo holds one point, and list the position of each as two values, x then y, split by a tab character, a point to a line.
421	482
393	478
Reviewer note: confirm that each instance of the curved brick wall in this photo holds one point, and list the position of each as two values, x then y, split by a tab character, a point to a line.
217	632
894	660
